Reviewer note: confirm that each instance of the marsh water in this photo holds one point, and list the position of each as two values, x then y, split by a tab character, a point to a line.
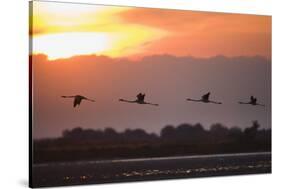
120	170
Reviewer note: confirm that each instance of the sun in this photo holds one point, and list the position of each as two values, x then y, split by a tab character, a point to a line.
61	31
64	45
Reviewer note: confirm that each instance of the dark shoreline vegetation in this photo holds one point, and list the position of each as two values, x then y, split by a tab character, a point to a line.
88	144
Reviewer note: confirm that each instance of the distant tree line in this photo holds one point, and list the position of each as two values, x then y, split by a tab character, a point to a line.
185	139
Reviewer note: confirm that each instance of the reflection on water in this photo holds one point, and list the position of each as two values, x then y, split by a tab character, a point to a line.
220	156
122	170
189	171
175	172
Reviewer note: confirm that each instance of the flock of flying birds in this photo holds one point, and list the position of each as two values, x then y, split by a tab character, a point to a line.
140	100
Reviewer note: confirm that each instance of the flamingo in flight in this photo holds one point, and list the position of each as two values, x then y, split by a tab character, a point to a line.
78	99
253	101
139	100
204	99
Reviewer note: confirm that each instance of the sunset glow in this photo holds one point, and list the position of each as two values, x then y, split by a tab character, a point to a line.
70	44
108	53
61	31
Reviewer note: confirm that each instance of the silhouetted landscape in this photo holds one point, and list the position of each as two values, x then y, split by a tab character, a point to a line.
185	139
84	156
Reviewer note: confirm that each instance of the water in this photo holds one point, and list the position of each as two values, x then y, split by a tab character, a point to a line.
102	171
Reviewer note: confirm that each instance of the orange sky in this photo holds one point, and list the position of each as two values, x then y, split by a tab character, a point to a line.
64	30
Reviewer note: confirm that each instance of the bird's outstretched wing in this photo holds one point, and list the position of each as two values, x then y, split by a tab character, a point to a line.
77	102
253	99
206	96
140	97
68	96
143	96
90	100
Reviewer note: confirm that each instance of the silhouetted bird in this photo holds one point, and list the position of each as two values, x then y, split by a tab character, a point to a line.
253	101
78	99
139	100
205	99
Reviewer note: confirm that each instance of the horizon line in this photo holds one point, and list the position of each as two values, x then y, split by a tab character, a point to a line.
140	58
102	129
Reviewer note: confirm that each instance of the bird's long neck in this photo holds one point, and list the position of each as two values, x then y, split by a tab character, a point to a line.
68	96
194	100
245	103
129	101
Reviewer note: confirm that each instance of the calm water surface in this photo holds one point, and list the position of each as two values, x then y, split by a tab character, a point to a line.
87	172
